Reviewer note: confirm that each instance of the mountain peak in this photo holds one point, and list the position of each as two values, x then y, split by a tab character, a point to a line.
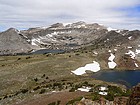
57	25
80	23
68	36
12	30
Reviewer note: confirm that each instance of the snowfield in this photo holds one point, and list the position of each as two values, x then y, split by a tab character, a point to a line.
94	67
111	63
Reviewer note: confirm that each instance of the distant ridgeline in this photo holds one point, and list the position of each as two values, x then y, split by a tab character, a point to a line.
118	49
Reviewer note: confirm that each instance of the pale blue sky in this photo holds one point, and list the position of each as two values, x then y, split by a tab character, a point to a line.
22	14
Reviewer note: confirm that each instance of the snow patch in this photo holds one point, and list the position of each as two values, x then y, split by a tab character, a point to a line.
43	28
118	31
130	37
136	65
94	67
131	53
25	36
28	40
103	93
101	24
33	42
129	47
109	51
95	53
137	51
84	89
111	63
49	35
18	31
111	29
42	39
54	91
115	49
102	88
65	24
54	33
112	57
98	28
79	26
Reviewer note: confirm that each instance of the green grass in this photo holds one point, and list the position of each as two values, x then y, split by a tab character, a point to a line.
16	73
27	72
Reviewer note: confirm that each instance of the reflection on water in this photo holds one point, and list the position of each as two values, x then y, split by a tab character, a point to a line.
128	78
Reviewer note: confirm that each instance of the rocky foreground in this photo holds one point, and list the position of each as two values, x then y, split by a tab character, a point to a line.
133	99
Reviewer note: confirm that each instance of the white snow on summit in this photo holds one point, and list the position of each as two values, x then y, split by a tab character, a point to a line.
111	29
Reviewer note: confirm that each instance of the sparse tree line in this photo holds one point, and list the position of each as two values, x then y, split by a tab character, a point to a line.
45	85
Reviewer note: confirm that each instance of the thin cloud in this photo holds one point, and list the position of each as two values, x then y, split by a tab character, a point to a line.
31	13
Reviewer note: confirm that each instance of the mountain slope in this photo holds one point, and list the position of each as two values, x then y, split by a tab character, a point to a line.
59	36
124	46
100	40
11	42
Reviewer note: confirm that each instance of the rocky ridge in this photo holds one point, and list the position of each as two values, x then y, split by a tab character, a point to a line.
102	41
59	36
12	42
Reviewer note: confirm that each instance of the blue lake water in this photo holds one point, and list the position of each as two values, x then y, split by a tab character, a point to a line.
45	51
127	78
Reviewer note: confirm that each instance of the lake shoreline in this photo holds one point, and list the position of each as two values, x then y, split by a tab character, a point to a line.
129	78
